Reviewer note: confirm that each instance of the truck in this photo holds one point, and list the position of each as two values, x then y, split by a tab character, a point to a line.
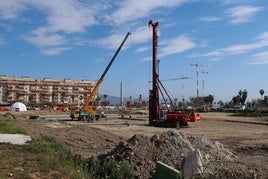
166	114
89	109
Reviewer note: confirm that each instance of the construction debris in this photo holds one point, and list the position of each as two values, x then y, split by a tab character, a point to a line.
193	165
17	139
173	148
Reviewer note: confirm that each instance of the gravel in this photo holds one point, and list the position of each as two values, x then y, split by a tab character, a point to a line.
17	139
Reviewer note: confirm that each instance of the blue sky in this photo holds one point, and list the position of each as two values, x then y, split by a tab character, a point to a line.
77	38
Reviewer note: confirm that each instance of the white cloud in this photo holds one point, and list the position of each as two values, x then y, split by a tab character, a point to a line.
11	9
142	49
140	35
263	38
111	42
68	16
210	19
260	58
130	10
213	53
169	25
215	59
261	41
242	14
55	51
2	42
146	59
61	17
232	2
42	38
179	44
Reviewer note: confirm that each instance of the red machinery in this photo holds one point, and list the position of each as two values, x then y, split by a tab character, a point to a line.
167	113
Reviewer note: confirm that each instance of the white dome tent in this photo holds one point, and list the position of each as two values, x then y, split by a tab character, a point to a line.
18	106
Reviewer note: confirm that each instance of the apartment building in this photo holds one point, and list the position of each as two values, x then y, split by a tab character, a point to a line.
33	91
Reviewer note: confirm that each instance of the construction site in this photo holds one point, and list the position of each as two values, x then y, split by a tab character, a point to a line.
230	146
182	140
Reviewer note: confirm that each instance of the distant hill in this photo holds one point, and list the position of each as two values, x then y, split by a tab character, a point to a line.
114	100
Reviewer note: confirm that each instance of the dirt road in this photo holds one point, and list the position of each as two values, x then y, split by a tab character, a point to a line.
246	137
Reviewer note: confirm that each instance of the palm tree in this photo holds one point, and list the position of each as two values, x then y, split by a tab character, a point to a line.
244	96
240	92
209	99
105	99
261	92
81	99
97	100
63	95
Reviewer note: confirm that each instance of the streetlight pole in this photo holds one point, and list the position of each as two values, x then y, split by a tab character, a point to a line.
130	107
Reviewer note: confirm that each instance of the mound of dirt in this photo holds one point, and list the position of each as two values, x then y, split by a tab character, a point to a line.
171	148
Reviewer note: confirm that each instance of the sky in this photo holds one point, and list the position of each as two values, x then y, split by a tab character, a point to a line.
76	39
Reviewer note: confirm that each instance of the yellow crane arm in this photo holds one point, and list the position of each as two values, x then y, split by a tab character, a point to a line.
89	106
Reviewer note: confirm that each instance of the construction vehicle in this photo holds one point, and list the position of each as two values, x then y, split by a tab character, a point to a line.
166	114
89	109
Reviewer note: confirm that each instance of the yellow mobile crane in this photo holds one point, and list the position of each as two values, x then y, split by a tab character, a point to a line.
89	111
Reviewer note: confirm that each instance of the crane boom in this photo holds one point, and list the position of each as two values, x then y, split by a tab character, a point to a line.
182	85
179	78
88	105
88	110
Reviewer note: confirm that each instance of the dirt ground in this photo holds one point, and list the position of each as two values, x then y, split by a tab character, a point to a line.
246	137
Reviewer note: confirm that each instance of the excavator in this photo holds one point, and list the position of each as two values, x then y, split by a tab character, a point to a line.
166	114
89	109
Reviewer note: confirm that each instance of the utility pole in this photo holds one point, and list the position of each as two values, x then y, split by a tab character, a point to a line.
121	94
203	73
197	85
182	88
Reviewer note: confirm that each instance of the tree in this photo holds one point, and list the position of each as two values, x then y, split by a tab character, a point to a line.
261	92
53	97
41	98
97	100
31	97
105	96
244	96
240	92
63	95
236	99
265	99
175	101
105	99
81	97
209	99
241	98
221	104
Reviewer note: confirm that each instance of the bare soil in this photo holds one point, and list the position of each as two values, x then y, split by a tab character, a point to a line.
245	137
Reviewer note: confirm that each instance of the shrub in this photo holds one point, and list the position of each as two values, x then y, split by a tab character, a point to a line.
110	169
8	126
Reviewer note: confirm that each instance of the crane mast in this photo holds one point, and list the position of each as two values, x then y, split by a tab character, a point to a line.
154	96
160	114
